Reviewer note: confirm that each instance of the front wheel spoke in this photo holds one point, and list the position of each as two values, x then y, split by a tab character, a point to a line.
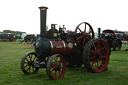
92	62
28	70
34	58
30	56
54	66
54	75
55	60
52	70
100	62
26	59
26	66
25	62
60	62
95	64
59	72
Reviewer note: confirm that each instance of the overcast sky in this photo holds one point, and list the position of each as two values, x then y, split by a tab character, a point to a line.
24	15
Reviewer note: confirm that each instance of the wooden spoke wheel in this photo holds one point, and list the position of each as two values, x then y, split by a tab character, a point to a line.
27	63
116	44
96	55
83	33
56	67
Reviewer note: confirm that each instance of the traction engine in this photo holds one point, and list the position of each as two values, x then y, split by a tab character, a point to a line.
57	49
112	40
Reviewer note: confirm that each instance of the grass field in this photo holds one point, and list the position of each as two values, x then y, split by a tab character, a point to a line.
11	74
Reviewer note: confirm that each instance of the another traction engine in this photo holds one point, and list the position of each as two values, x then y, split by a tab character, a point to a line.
56	49
112	40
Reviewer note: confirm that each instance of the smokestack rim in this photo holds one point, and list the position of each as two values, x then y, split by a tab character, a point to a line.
43	8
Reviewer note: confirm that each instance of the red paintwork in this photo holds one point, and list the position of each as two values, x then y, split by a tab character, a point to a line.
61	47
70	50
59	67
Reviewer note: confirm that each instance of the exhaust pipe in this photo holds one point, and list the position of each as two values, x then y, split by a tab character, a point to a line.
43	14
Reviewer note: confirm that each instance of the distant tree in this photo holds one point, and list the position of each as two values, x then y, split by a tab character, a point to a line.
13	32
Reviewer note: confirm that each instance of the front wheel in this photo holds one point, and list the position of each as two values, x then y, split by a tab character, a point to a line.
96	55
56	67
27	63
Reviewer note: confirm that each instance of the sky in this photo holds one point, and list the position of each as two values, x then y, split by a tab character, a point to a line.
24	15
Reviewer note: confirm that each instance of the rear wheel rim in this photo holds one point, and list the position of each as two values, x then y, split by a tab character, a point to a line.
98	56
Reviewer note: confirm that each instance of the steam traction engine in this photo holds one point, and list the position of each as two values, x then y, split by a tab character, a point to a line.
112	40
56	49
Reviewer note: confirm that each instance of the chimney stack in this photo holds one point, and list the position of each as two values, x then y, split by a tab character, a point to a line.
43	14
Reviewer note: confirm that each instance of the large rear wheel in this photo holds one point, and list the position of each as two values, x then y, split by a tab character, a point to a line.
96	55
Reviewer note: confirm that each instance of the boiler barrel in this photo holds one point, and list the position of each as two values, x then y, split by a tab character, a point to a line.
62	47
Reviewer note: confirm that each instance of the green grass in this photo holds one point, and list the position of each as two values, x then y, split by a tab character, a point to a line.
11	74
